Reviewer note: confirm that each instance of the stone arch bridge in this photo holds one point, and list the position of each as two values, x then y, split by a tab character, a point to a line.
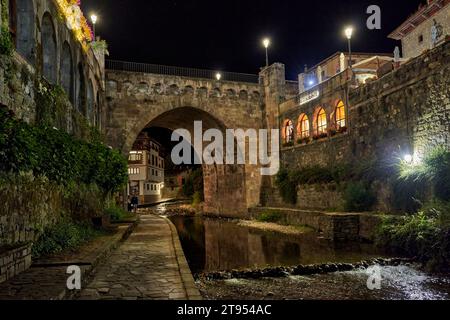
141	96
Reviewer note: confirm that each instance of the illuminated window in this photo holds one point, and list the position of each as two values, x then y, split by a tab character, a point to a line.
340	115
303	127
134	171
135	157
288	131
321	122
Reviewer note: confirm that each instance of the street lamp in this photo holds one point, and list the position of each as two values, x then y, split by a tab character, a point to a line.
408	158
94	19
348	34
266	44
218	76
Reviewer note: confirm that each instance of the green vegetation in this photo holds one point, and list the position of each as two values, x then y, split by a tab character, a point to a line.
197	198
269	216
434	171
424	235
6	42
100	45
57	155
193	186
414	183
348	178
287	186
65	235
116	213
58	181
425	232
51	105
358	197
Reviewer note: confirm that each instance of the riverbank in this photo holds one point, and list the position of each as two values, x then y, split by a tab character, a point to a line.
274	227
401	282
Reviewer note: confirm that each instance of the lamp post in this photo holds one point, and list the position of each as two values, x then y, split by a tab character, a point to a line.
348	34
218	76
266	44
94	19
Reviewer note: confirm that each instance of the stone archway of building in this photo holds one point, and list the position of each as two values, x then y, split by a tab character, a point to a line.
24	25
49	45
81	89
224	185
66	71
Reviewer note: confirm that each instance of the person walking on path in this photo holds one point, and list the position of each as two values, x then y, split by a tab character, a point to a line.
134	203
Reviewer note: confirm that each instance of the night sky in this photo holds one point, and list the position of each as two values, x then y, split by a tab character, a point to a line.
226	35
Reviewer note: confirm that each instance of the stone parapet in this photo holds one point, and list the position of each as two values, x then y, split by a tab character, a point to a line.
14	261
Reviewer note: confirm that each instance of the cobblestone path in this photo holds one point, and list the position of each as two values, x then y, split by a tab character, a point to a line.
148	265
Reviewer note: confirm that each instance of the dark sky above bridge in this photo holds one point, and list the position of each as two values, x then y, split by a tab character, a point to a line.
226	35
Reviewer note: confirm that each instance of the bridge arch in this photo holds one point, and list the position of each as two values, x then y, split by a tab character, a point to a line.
175	102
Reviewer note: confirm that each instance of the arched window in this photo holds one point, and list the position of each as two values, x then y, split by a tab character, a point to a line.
303	127
321	122
90	101
340	117
22	27
81	89
288	131
66	71
48	48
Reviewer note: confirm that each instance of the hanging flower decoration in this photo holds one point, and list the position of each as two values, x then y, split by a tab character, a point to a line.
76	21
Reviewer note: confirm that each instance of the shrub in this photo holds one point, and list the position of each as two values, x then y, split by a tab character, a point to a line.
270	216
116	213
313	175
194	184
437	165
408	194
434	171
287	186
65	235
424	235
59	156
197	198
6	42
358	197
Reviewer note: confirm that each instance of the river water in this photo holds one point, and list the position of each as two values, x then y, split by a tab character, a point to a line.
222	245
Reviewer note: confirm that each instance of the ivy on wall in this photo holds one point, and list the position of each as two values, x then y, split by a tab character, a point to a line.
6	42
47	151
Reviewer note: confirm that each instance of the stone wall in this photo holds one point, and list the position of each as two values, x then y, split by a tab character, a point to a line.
405	112
332	226
79	72
14	261
28	206
318	197
138	100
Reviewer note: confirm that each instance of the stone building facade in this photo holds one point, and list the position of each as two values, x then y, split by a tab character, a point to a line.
146	170
407	111
50	53
425	29
50	50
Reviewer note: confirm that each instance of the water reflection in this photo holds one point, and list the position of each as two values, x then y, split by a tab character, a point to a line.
211	245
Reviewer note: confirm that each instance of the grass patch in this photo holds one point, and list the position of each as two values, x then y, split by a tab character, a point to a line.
269	216
116	213
65	235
